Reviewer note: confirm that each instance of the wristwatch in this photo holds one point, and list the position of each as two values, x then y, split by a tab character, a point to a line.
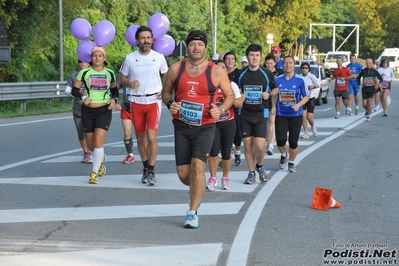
116	99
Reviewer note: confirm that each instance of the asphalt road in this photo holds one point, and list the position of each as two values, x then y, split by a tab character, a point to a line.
50	215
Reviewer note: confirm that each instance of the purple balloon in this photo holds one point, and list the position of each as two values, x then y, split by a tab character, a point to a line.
81	29
131	35
104	33
165	45
84	51
159	24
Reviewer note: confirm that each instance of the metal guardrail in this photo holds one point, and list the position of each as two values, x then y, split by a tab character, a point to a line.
23	91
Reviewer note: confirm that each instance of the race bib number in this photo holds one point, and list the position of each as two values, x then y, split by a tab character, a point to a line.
98	82
287	97
223	116
340	82
384	84
353	71
368	81
253	94
191	113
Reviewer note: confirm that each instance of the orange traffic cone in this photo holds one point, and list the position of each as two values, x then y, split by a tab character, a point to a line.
323	200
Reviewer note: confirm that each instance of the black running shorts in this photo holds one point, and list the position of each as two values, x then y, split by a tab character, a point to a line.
192	142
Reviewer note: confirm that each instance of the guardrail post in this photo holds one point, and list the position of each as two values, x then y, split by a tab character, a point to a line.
23	105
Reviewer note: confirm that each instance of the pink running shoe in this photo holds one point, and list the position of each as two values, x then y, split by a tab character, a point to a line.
225	183
128	159
212	183
87	158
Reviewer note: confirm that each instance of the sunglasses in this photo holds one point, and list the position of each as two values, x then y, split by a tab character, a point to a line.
304	67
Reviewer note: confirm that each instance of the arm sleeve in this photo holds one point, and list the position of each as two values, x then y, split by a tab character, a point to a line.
76	93
114	92
70	81
68	90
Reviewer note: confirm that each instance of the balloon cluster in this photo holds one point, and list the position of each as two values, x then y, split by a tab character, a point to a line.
159	24
103	34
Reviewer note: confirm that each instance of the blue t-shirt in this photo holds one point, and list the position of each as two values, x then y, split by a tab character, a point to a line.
279	64
290	92
355	69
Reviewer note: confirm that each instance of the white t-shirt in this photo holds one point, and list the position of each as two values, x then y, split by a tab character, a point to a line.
310	79
236	90
146	69
386	73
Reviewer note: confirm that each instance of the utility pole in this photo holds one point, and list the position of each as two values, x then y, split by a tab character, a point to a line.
61	42
213	25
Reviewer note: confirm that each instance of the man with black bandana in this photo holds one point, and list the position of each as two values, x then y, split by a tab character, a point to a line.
369	75
194	82
258	85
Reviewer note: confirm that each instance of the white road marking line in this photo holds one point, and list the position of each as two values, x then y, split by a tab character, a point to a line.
113	212
165	182
41	158
193	255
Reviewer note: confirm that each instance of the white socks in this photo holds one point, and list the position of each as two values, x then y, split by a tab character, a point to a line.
98	155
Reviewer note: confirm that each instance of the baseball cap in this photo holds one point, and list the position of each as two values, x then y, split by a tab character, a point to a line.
215	57
244	59
276	49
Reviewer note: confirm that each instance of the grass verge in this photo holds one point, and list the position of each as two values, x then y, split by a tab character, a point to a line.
35	107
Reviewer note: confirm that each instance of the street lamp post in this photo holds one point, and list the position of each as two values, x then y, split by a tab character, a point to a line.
270	40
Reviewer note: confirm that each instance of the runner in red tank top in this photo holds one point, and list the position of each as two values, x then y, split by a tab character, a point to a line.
195	82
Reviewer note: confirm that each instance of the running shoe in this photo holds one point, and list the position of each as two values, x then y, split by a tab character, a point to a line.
191	220
262	174
314	130
283	162
250	179
270	149
145	176
385	114
212	183
93	178
225	183
337	116
357	111
377	108
87	158
237	159
291	168
151	180
102	170
128	159
368	119
305	135
347	112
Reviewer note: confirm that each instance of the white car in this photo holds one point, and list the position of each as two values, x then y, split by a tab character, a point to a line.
321	94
